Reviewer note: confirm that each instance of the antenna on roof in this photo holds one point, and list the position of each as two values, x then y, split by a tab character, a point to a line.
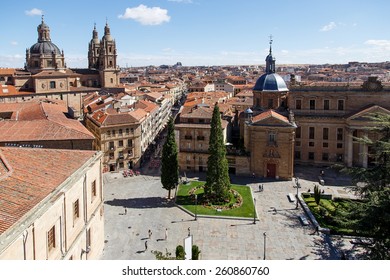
270	42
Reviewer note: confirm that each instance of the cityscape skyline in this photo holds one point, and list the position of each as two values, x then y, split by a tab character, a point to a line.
198	32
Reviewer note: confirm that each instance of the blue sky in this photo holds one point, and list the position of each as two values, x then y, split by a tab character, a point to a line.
203	32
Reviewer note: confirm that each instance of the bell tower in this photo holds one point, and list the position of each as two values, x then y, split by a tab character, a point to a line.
107	60
93	50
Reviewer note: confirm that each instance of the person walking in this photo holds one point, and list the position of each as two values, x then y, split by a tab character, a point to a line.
166	234
150	234
146	245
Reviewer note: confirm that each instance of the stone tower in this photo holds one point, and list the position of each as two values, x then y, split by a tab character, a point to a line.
93	50
102	57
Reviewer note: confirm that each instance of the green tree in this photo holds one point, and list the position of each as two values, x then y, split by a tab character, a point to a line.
217	180
372	218
169	161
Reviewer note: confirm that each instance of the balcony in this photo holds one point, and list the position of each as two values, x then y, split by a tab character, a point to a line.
112	148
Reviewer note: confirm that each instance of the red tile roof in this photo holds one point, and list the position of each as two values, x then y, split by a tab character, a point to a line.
27	176
39	121
270	114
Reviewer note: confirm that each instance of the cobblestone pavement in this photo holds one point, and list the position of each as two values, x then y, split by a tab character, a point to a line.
135	205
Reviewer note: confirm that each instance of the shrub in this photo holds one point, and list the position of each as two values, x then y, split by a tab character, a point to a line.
180	253
195	252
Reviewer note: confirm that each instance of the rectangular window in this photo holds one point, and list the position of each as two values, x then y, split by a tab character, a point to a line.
325	156
339	157
340	105
270	103
298	143
298	104
340	133
127	131
52	84
298	132
76	210
326	104
325	144
121	155
111	146
120	143
272	138
311	132
120	132
312	104
93	190
51	238
325	133
311	144
339	145
297	155
129	143
311	155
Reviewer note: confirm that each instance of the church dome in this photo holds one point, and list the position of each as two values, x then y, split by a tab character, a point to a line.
45	47
270	82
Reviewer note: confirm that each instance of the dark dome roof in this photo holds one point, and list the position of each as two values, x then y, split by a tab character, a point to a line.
270	82
46	47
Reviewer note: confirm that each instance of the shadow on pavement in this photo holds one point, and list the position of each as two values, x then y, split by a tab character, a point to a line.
143	202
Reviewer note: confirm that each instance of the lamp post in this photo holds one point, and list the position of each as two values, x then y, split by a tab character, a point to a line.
297	186
196	207
254	211
265	238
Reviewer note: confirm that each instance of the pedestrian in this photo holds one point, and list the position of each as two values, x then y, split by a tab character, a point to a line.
166	234
259	187
317	230
262	187
146	245
189	231
150	234
125	211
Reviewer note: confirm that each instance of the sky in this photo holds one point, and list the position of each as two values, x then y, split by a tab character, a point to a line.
203	32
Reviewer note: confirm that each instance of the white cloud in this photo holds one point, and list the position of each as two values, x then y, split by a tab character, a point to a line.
146	15
34	12
14	43
385	44
331	25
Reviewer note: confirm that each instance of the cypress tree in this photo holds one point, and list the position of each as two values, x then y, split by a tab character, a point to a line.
217	181
169	161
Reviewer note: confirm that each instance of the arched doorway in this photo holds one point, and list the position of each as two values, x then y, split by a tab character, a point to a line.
271	170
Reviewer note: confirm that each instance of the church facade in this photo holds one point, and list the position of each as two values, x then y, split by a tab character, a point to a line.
46	74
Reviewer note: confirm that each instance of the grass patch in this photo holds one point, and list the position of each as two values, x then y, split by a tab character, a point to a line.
188	201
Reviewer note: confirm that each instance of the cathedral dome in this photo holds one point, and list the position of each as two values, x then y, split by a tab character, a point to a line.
45	47
270	82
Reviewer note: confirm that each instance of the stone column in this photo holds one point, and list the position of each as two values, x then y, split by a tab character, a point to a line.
365	151
349	148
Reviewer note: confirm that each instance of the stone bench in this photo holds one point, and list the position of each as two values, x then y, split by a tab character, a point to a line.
291	197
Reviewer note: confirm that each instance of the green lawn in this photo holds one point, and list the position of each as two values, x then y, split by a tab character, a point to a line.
188	202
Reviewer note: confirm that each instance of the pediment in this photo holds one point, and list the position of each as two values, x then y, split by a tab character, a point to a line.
364	114
270	118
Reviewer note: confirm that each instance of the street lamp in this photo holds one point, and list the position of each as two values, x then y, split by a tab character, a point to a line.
196	207
254	211
265	238
297	186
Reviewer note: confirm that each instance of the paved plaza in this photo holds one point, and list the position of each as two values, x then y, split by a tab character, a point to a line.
136	204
